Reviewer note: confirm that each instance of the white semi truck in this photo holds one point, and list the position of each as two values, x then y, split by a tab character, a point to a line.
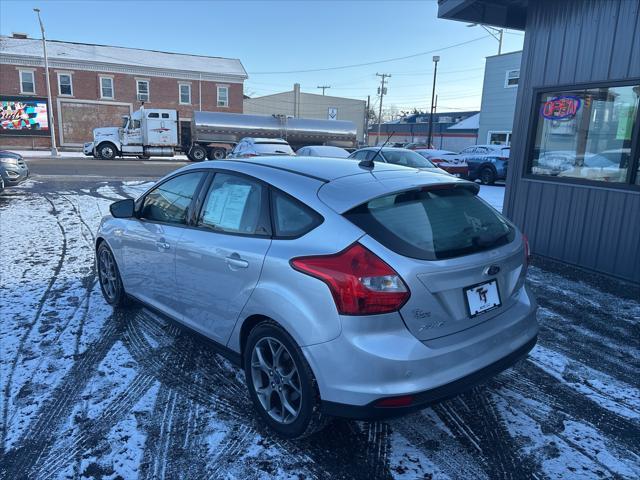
155	132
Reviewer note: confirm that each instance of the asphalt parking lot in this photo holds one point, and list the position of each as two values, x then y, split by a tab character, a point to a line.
89	393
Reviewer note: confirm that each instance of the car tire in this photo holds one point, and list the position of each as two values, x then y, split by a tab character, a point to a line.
289	377
487	177
109	277
197	153
217	154
107	151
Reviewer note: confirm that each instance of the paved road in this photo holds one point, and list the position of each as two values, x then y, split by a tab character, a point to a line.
88	392
91	169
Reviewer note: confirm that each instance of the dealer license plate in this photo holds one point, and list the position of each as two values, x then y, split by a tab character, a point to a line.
482	297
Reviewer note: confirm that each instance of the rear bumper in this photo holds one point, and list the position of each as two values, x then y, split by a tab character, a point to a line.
376	357
428	397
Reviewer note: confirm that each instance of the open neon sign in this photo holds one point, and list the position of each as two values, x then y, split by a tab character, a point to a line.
561	108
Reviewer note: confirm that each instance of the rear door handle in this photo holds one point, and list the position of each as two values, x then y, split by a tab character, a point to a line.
235	261
163	245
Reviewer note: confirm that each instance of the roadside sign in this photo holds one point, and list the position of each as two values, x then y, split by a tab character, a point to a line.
332	113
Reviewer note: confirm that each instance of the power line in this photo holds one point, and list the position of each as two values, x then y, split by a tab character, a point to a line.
364	64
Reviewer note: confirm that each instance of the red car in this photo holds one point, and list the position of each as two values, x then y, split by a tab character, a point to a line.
445	160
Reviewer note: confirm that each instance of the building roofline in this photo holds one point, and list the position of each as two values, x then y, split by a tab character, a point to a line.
116	61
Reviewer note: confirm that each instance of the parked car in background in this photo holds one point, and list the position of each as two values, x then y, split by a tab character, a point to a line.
396	156
323	151
340	292
606	166
13	168
256	147
445	160
487	163
416	145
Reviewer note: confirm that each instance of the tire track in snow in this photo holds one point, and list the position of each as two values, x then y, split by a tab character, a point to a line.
42	432
23	339
531	381
443	449
475	421
94	430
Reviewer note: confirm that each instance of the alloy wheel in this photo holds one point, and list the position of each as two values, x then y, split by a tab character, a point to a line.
108	274
276	380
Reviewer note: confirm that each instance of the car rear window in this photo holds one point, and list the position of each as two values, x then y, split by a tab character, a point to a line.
433	224
273	148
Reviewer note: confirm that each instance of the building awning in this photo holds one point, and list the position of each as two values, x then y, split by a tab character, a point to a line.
499	13
469	123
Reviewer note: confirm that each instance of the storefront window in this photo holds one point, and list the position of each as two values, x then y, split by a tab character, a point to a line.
586	133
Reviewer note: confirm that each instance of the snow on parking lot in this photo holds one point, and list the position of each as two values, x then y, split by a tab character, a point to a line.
92	393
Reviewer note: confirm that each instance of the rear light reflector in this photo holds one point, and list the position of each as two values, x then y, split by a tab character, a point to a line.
359	281
403	401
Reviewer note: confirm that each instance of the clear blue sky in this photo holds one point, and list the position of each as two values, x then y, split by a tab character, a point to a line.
290	36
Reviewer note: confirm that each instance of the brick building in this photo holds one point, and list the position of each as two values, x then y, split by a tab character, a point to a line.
94	85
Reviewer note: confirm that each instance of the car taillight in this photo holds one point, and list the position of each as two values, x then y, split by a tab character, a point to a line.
360	282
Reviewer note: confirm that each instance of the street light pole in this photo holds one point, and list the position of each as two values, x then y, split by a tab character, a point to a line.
54	149
436	59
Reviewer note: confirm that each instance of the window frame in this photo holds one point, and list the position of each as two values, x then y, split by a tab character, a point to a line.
180	85
190	209
634	163
138	82
506	78
113	90
32	72
65	74
218	89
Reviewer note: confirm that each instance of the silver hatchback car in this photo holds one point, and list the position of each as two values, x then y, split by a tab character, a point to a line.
342	289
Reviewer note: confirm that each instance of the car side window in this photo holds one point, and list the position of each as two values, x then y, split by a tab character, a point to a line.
359	155
374	155
169	202
290	217
234	204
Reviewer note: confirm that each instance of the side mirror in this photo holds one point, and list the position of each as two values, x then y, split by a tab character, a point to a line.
123	208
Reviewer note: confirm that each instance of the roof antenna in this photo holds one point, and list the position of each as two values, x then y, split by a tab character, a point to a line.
369	163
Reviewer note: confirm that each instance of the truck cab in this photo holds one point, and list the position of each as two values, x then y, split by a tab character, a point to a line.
144	133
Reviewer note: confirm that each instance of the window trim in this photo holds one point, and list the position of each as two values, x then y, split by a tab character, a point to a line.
532	123
506	132
506	78
196	195
145	80
218	89
66	74
33	80
180	85
113	89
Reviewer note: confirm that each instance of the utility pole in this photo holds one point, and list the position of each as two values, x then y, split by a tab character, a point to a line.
54	148
323	87
494	32
366	120
382	91
436	59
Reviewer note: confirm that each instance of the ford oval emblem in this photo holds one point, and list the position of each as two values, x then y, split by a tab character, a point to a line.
492	270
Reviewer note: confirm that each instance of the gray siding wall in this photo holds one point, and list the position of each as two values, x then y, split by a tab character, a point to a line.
498	103
575	41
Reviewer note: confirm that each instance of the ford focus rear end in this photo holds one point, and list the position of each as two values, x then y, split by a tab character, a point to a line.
432	301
